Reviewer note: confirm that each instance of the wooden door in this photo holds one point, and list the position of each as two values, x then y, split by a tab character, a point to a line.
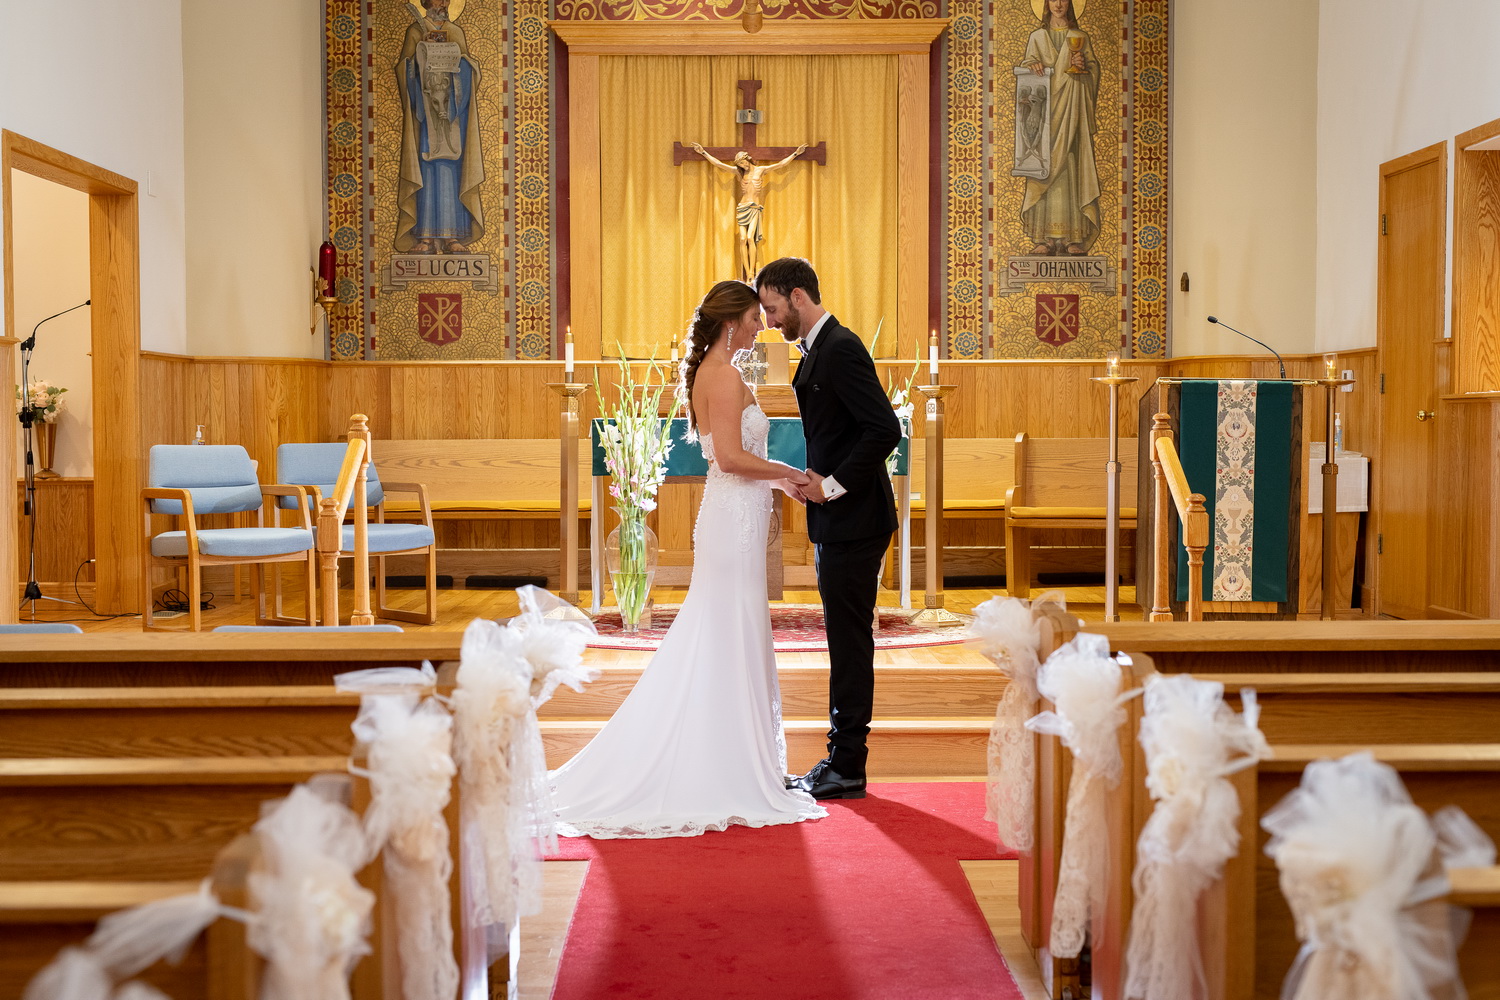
1413	207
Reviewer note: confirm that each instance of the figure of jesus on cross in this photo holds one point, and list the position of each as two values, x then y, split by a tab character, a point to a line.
752	175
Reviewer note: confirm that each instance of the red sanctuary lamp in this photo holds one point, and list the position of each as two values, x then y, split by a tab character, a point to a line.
328	265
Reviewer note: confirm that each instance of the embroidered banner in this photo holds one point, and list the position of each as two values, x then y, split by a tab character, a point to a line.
1236	447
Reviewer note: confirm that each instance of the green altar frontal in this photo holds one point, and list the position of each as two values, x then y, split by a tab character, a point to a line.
785	443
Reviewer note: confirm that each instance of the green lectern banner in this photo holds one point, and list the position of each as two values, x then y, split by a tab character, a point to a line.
1236	448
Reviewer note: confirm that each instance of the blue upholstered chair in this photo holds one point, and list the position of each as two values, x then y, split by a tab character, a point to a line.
309	628
55	628
316	466
189	481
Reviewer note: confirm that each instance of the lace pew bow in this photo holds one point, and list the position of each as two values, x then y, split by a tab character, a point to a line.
1193	742
408	749
1082	681
1011	634
1358	869
505	802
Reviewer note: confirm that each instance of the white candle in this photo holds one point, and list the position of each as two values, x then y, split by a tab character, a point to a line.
568	355
674	357
932	355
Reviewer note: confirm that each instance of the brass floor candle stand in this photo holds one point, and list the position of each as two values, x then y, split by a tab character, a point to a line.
933	613
1114	380
1331	384
571	393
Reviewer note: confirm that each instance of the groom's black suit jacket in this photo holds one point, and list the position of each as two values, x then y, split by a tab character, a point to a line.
850	429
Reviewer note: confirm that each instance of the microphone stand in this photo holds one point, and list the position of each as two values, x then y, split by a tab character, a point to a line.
27	416
1279	362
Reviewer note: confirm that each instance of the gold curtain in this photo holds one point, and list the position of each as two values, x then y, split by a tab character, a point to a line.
669	232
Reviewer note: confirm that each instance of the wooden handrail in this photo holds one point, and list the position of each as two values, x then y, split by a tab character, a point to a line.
1169	479
331	511
1191	514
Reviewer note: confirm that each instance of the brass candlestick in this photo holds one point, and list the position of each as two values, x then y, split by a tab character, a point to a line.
1331	385
568	425
1114	380
933	613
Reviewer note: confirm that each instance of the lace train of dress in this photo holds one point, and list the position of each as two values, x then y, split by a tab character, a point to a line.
698	744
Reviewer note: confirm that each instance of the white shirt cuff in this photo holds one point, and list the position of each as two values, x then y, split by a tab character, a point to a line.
831	488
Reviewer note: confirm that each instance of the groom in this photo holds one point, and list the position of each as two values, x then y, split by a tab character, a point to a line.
850	429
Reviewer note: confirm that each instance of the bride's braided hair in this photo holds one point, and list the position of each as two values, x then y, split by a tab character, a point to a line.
725	303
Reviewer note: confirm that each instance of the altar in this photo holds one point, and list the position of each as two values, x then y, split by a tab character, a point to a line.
687	465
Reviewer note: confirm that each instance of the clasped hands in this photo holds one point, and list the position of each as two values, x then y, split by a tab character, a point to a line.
804	487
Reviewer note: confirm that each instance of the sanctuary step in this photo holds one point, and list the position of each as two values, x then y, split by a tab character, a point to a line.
902	748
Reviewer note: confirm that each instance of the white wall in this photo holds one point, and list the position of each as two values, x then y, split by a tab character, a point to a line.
50	227
107	87
1393	76
254	151
1244	165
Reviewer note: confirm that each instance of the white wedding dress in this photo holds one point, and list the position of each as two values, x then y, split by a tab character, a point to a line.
698	745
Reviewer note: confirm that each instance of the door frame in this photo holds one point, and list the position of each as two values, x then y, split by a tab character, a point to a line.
115	335
1435	153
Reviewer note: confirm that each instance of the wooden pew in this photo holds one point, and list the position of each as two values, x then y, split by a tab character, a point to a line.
977	474
1060	484
134	819
1478	889
480	479
1304	717
37	919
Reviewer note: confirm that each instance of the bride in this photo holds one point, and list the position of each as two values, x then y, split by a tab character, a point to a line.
698	744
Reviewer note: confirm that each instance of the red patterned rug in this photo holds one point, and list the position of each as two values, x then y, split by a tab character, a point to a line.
795	628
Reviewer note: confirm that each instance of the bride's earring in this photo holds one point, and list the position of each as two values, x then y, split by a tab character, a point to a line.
729	341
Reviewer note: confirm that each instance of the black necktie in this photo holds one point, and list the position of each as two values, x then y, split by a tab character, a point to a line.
802	346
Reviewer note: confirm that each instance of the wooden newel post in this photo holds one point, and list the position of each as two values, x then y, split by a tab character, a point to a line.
330	536
933	612
1161	608
568	433
359	430
1195	540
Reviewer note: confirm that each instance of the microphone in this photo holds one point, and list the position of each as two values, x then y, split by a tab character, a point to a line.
1282	364
29	344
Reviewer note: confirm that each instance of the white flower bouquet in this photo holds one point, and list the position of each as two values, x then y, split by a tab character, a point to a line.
636	442
45	401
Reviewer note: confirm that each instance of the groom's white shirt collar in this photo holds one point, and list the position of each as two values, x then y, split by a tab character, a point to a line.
813	333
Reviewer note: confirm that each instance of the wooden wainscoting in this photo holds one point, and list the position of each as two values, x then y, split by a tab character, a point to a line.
263	402
64	533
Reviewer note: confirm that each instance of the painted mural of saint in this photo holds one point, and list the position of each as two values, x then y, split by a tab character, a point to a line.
441	168
1061	213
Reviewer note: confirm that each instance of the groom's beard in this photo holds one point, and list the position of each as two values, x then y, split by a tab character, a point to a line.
791	328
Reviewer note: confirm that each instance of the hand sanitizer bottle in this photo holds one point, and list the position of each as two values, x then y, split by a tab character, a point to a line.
1338	435
198	437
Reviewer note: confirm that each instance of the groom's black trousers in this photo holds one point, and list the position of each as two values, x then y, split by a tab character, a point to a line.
848	580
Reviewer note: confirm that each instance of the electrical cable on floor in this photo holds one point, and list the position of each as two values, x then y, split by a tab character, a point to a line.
173	599
97	615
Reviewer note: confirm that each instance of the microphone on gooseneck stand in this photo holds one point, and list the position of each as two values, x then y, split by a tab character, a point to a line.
1279	362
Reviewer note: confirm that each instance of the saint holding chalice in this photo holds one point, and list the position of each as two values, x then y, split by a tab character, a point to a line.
1061	211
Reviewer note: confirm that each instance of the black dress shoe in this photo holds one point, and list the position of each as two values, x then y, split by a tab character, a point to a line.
804	783
832	785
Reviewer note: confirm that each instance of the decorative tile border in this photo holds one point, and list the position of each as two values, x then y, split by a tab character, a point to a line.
344	121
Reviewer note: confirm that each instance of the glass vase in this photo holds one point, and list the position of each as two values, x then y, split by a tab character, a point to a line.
630	553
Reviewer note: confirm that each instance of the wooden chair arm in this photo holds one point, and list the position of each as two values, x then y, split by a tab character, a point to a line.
166	493
1010	500
284	490
419	489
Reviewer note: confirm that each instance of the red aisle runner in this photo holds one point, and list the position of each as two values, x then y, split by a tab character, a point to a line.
868	903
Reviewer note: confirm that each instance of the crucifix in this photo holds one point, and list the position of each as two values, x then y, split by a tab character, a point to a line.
742	159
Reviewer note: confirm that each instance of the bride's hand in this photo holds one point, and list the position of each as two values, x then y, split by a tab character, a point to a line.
798	479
